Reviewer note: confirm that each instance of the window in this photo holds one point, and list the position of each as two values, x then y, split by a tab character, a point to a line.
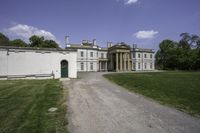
91	66
138	65
82	66
138	55
102	55
151	65
81	53
151	56
91	54
134	66
145	65
133	55
145	55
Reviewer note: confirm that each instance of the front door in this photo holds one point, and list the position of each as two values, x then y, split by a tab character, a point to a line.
64	69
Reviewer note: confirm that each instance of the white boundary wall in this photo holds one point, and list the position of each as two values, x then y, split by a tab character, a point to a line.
36	63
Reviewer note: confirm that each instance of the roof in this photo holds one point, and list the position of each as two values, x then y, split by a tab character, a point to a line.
86	46
143	50
36	48
120	46
103	49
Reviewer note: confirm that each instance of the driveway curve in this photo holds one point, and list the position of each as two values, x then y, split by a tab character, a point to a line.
98	106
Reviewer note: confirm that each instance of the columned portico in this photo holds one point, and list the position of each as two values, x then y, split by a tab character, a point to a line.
103	65
120	58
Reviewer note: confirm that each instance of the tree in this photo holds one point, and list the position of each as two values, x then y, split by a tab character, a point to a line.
18	43
36	41
192	40
184	55
50	44
166	55
185	37
4	40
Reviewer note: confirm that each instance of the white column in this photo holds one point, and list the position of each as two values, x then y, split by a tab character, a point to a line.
120	61
100	66
117	62
125	61
129	67
106	66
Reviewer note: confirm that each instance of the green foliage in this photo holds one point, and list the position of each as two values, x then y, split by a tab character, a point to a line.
50	44
4	40
183	55
18	43
177	89
166	56
36	41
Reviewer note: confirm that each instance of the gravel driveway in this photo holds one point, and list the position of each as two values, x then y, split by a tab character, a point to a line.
99	106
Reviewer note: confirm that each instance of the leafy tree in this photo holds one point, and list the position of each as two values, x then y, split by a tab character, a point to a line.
185	37
50	44
36	41
4	40
184	55
18	43
166	54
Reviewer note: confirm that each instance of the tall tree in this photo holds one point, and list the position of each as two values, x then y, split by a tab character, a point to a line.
50	44
185	37
166	57
184	55
4	40
36	41
18	43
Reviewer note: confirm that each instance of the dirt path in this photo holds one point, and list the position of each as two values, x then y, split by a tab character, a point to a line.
98	106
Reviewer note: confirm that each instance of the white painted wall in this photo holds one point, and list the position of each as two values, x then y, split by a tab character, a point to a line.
87	59
36	62
141	61
102	52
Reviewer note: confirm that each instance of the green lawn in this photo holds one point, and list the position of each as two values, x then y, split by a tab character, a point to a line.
24	106
177	89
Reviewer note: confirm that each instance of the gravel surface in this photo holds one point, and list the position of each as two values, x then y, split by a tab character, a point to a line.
98	106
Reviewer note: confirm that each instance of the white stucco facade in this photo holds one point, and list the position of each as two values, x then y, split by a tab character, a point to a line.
93	58
36	63
87	60
143	60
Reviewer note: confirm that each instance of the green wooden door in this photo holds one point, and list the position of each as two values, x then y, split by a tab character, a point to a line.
64	69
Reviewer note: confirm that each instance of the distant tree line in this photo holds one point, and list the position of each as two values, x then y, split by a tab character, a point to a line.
182	55
35	41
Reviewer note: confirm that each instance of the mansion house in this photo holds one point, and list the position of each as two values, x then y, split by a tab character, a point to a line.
118	57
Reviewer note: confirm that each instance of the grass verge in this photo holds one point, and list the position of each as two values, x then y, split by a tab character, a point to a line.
24	106
178	89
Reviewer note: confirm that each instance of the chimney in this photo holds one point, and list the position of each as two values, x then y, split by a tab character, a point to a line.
94	42
84	42
66	40
134	45
109	44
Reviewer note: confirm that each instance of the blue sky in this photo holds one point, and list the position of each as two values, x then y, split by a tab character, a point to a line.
142	22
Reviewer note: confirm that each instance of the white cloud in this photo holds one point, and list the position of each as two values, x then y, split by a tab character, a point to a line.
146	34
26	31
128	2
